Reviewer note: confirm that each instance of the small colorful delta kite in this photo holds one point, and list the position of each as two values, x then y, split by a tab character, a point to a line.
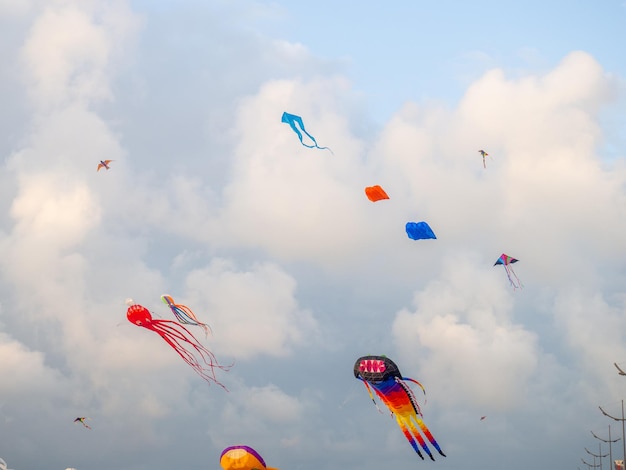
507	261
484	154
292	120
382	374
184	314
81	420
375	193
419	231
104	164
181	340
242	458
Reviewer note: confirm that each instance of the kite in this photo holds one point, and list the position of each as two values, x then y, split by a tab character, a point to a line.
383	375
375	193
419	231
242	458
507	261
81	420
484	154
621	372
184	314
292	120
104	164
181	340
482	418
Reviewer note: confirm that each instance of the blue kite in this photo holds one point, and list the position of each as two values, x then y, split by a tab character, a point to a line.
292	120
419	231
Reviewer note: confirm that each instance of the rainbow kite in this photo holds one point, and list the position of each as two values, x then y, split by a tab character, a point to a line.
382	374
184	314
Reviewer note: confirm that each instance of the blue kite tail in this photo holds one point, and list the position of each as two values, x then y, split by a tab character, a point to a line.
292	120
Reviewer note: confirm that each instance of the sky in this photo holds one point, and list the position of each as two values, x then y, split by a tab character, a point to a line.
212	199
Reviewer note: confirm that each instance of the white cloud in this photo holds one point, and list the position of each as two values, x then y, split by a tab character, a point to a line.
593	329
284	197
68	52
59	220
463	341
544	195
224	180
251	311
271	403
252	412
23	371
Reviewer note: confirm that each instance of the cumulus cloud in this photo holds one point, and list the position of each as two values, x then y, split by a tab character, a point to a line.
593	328
213	200
69	49
254	411
23	371
284	197
462	339
252	311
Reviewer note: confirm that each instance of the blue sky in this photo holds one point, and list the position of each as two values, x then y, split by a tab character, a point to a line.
211	199
431	50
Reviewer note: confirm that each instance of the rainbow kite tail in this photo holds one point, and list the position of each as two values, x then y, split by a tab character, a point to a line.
412	435
428	435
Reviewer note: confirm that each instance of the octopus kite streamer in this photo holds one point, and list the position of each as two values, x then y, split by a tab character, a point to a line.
180	338
383	375
184	314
